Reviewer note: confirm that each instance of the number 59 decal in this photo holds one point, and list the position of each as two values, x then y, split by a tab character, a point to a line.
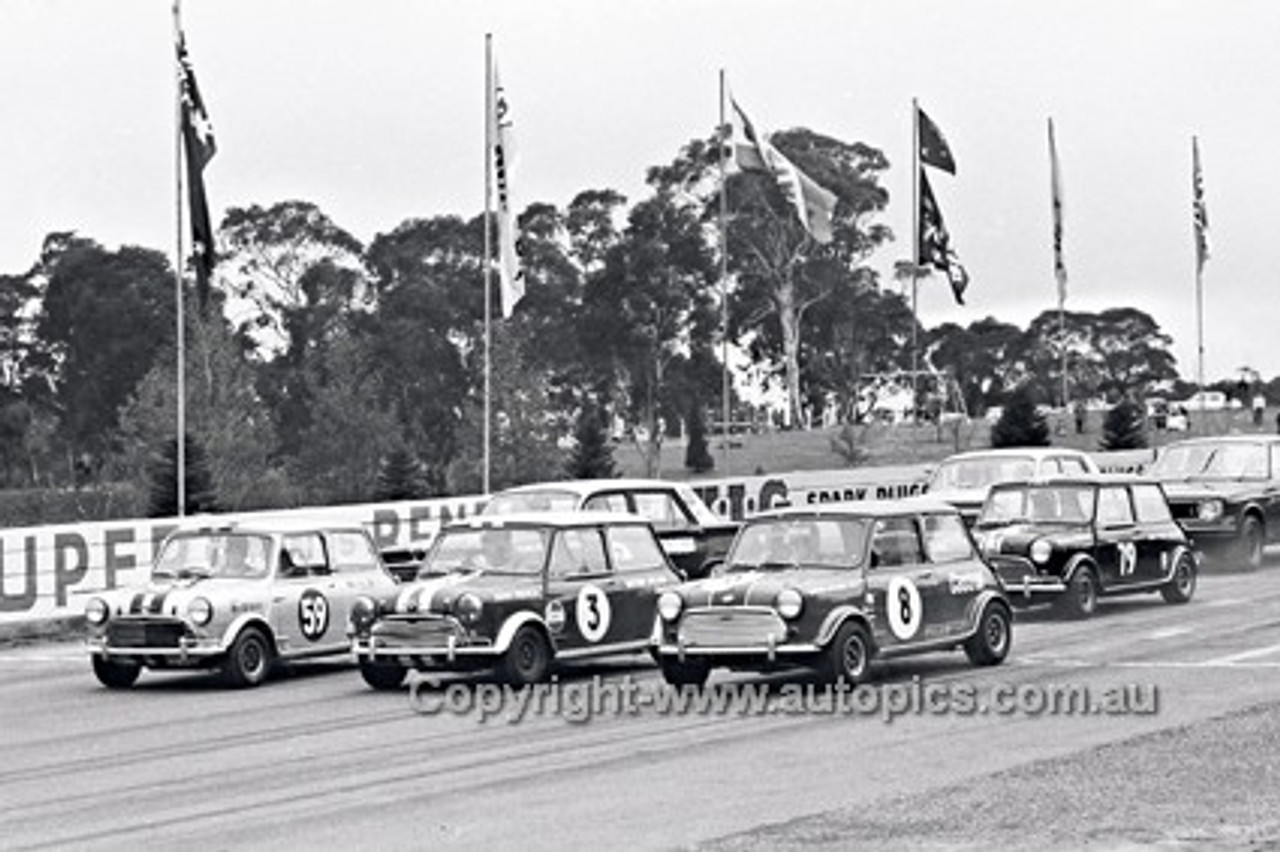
313	614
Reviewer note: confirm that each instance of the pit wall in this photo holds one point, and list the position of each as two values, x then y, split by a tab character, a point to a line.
46	573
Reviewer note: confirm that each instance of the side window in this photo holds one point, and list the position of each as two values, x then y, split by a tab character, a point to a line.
1114	508
301	555
1071	464
607	503
633	548
946	539
578	552
1049	466
1150	504
351	552
895	542
661	510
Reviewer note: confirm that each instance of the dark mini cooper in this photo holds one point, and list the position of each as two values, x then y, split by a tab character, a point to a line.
517	593
1225	492
1073	540
833	587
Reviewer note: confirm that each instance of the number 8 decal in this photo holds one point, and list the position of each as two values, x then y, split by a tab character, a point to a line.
593	613
904	608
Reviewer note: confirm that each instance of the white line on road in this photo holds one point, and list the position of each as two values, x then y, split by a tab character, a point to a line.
1248	655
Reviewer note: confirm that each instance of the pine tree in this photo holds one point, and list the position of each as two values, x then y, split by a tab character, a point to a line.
1123	428
697	457
1020	425
592	456
400	477
198	481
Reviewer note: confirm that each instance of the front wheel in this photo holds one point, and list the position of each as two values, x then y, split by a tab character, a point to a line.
115	674
1182	585
1249	544
1081	597
382	676
990	644
528	659
848	657
249	660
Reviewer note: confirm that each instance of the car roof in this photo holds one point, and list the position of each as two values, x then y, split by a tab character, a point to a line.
1226	439
584	486
1081	479
263	526
867	508
547	519
1034	452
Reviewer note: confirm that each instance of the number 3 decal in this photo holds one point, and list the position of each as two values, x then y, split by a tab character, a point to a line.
313	614
904	608
593	613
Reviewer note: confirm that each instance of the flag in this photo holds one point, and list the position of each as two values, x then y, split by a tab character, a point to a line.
1199	215
198	147
1055	180
935	243
813	204
933	148
501	158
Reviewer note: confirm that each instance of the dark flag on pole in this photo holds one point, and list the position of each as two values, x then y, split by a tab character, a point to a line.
935	243
1199	214
199	147
933	148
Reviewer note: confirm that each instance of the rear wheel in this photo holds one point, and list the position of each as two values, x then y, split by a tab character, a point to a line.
1081	597
1182	585
685	672
382	675
528	659
990	644
848	657
249	660
115	674
1247	552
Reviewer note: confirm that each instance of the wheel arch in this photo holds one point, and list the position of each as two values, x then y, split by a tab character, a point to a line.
836	619
513	623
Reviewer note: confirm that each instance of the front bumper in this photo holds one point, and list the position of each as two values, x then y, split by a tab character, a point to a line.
1019	578
410	639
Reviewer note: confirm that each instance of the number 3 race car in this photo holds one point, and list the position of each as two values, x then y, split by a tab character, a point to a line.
238	599
833	587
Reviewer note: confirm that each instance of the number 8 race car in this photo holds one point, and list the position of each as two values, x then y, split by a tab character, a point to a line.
235	598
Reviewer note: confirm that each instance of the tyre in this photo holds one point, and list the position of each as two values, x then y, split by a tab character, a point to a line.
1182	585
685	673
1080	600
848	657
528	659
115	674
382	675
990	644
1247	551
249	661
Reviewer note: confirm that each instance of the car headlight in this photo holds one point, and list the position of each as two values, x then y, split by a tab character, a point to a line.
669	606
789	603
364	611
96	611
1209	510
467	607
200	611
1040	551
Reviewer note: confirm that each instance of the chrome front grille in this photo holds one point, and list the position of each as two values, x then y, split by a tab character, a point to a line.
145	633
418	630
731	627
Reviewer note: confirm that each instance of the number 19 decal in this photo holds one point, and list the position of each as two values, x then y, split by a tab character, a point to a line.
313	614
593	613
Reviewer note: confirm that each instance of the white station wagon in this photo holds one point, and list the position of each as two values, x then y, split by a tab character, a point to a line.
238	599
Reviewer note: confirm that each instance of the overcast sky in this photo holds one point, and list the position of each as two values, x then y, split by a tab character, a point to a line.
374	111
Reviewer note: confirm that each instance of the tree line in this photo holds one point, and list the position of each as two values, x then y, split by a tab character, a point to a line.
324	370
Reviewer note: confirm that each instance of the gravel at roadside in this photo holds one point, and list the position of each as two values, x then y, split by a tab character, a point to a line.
1214	784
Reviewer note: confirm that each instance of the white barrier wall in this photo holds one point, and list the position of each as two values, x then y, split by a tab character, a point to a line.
47	572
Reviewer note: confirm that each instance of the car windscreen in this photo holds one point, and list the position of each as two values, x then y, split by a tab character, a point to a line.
216	554
497	550
545	500
1208	460
822	542
1071	504
981	471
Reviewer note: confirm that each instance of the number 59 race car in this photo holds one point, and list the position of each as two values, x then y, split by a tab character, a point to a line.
238	599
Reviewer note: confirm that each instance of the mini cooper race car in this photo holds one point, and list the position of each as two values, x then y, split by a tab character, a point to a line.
1225	492
237	598
963	479
1074	539
690	532
834	586
517	593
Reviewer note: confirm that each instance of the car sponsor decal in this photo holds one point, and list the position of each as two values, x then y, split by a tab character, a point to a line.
965	583
313	614
904	607
554	616
593	613
1128	557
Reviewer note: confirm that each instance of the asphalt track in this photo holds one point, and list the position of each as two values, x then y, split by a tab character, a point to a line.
316	759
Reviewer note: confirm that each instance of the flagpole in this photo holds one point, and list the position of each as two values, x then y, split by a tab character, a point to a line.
724	283
1199	237
488	272
1059	267
177	266
915	251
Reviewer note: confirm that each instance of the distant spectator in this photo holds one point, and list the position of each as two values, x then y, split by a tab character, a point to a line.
1259	405
1080	414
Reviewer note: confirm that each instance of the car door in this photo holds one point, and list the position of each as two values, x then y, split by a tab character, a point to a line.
949	549
1158	534
306	611
583	589
905	589
1116	552
354	570
641	571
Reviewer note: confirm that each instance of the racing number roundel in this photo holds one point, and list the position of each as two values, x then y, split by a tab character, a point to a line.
904	607
313	614
593	613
